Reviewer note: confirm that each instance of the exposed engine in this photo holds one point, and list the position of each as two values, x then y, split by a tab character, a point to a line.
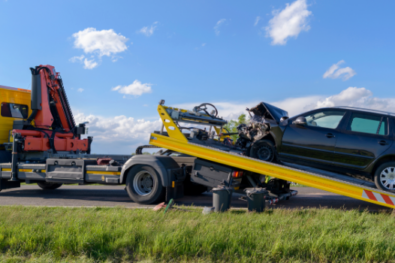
255	130
265	119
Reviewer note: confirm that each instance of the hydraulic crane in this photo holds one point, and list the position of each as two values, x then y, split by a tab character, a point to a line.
51	125
50	128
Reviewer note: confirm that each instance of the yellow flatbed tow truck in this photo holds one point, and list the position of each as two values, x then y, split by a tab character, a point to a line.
193	162
215	152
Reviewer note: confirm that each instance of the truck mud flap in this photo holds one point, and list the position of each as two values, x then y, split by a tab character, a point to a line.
177	176
175	192
66	170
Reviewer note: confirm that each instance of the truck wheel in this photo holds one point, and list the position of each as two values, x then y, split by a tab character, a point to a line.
263	150
144	186
384	177
48	186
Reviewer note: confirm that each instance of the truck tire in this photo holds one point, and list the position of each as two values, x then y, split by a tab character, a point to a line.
144	186
263	150
384	177
48	186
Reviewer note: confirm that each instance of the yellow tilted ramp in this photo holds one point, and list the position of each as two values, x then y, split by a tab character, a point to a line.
177	142
322	182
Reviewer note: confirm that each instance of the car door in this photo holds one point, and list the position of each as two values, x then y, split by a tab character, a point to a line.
314	141
364	138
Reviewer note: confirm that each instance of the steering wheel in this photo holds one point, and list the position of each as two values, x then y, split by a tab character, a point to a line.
203	107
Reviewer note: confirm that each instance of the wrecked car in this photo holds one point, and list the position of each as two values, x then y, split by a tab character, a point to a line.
352	141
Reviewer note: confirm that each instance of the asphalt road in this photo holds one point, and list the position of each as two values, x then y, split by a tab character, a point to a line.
111	196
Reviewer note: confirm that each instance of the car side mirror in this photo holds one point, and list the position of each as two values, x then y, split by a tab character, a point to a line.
300	121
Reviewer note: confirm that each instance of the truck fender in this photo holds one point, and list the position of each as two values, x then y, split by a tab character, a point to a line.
160	163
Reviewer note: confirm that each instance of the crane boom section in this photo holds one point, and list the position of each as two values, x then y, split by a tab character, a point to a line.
54	111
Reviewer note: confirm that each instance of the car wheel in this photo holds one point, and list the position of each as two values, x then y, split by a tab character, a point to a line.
263	150
384	177
144	186
48	185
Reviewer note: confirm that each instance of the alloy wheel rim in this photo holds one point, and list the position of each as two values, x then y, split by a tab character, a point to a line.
387	178
143	183
264	153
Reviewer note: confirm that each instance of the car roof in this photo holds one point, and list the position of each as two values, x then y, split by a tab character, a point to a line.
364	110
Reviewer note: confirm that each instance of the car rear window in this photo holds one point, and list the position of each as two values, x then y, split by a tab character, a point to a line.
368	123
13	110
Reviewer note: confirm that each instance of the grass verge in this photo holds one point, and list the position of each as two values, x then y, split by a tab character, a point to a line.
40	234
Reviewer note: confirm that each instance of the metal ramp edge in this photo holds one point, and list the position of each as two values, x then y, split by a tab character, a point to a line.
319	181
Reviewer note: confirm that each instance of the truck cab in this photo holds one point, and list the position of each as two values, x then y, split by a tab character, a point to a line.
14	106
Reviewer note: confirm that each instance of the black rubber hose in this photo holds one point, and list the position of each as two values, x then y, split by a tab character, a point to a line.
32	116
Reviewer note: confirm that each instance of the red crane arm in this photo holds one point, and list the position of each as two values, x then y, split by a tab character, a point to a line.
54	126
55	111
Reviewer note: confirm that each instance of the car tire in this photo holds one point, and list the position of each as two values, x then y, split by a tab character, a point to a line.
144	185
48	185
384	177
263	150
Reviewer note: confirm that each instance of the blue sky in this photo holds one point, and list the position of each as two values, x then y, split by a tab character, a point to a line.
187	52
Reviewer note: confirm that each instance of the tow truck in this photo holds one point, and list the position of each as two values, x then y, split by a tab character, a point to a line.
42	144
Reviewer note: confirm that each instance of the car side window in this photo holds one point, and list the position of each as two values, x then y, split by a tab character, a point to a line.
368	123
325	118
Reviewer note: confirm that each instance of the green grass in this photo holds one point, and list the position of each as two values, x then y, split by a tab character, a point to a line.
39	234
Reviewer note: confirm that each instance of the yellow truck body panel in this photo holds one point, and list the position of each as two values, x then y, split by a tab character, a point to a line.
14	96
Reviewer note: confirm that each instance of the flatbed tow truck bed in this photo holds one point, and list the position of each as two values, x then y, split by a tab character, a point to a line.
353	188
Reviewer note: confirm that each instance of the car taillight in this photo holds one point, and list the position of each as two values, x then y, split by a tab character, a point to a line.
237	174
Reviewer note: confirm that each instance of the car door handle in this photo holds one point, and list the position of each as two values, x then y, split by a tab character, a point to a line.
383	142
330	135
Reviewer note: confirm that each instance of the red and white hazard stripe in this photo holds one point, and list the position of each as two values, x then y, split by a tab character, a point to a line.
378	197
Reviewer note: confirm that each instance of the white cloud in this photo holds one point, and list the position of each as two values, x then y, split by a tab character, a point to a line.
80	90
352	96
257	20
103	43
99	43
218	25
203	44
119	134
288	22
148	30
89	64
77	58
136	88
358	97
335	72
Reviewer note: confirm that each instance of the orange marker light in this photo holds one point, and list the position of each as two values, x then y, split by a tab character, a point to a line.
237	174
